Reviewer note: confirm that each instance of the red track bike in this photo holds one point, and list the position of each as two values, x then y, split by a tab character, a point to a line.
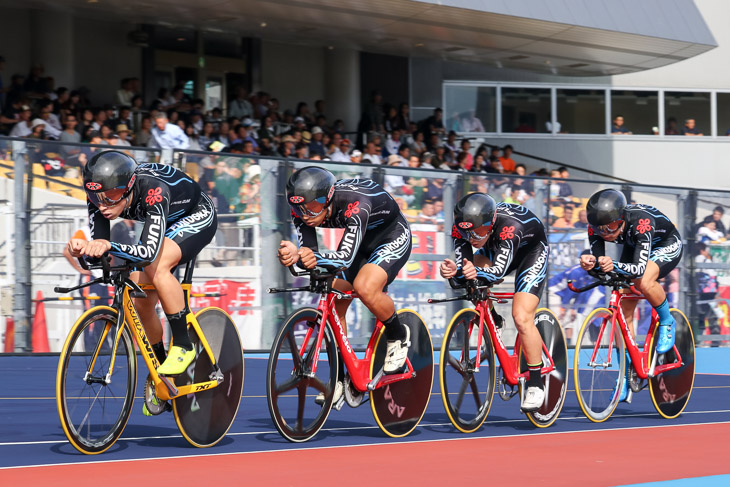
469	373
600	359
304	357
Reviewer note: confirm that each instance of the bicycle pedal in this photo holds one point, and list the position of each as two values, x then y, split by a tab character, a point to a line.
340	403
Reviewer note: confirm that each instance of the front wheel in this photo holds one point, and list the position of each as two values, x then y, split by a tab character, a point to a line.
599	365
555	382
93	407
205	417
467	395
289	376
670	390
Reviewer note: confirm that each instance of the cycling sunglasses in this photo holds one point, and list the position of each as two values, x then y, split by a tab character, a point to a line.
469	232
609	228
312	209
112	197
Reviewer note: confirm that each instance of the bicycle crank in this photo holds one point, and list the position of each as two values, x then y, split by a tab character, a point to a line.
154	404
502	387
353	397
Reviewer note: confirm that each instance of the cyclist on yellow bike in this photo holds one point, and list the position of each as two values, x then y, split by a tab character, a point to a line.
179	220
652	248
375	246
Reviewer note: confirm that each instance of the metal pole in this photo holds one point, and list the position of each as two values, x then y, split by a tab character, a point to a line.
21	290
687	275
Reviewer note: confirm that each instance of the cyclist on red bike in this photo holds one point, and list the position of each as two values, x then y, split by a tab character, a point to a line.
179	220
652	248
376	244
507	238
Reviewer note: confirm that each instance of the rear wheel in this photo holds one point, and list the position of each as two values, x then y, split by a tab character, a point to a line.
205	417
598	377
555	382
93	410
670	390
467	395
291	386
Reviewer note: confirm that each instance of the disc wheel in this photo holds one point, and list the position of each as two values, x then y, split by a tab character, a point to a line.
290	385
670	391
467	395
399	407
93	413
205	417
555	382
597	378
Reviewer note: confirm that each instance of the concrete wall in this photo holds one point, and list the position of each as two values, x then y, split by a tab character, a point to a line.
293	73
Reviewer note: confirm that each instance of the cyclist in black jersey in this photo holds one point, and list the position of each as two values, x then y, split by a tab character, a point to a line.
652	248
179	220
507	238
376	244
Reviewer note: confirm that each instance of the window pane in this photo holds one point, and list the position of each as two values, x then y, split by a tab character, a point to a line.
580	112
525	110
723	114
687	112
639	110
470	109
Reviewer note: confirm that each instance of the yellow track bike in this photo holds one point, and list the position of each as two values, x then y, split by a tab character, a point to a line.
97	369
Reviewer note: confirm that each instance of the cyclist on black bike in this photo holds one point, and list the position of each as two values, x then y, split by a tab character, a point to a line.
375	246
519	243
652	248
179	220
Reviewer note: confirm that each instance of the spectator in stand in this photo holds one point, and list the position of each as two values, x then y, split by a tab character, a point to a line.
15	92
480	164
470	123
582	221
618	127
100	119
371	155
373	117
434	124
144	134
428	212
525	126
36	85
62	97
390	121
261	110
342	154
240	107
316	146
671	128
716	216
267	129
565	221
53	124
462	162
565	190
451	143
301	151
10	116
403	119
70	135
435	189
24	127
433	142
286	148
266	148
243	133
125	93
122	136
508	164
167	135
426	159
708	232
86	122
418	146
37	127
356	156
439	158
707	309
690	129
207	135
393	143
465	147
404	153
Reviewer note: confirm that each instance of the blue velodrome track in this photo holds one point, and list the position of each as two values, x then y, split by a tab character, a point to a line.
30	433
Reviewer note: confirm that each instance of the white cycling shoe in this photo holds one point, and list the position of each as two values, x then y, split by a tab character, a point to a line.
339	388
396	353
534	397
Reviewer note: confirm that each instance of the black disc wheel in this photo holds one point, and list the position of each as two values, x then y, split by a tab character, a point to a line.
670	390
291	386
205	417
399	407
94	406
467	394
555	382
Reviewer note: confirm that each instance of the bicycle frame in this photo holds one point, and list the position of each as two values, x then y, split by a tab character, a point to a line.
358	368
510	362
639	357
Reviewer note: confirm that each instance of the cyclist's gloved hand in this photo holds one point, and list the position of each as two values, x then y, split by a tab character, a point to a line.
447	269
307	257
287	253
605	263
97	248
587	262
468	269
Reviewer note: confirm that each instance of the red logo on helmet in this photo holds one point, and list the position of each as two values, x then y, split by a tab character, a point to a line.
352	209
507	232
329	195
154	196
455	232
644	225
91	186
465	224
295	200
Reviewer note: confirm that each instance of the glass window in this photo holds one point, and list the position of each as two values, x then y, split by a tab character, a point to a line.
687	113
580	112
470	109
634	112
723	114
525	110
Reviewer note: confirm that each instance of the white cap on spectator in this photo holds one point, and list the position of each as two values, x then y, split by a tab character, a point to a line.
355	153
246	122
299	119
317	130
37	122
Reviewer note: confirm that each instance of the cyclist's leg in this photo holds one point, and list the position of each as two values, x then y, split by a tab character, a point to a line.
661	262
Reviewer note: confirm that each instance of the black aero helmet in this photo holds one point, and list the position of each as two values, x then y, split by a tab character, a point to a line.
310	189
108	177
605	206
474	215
